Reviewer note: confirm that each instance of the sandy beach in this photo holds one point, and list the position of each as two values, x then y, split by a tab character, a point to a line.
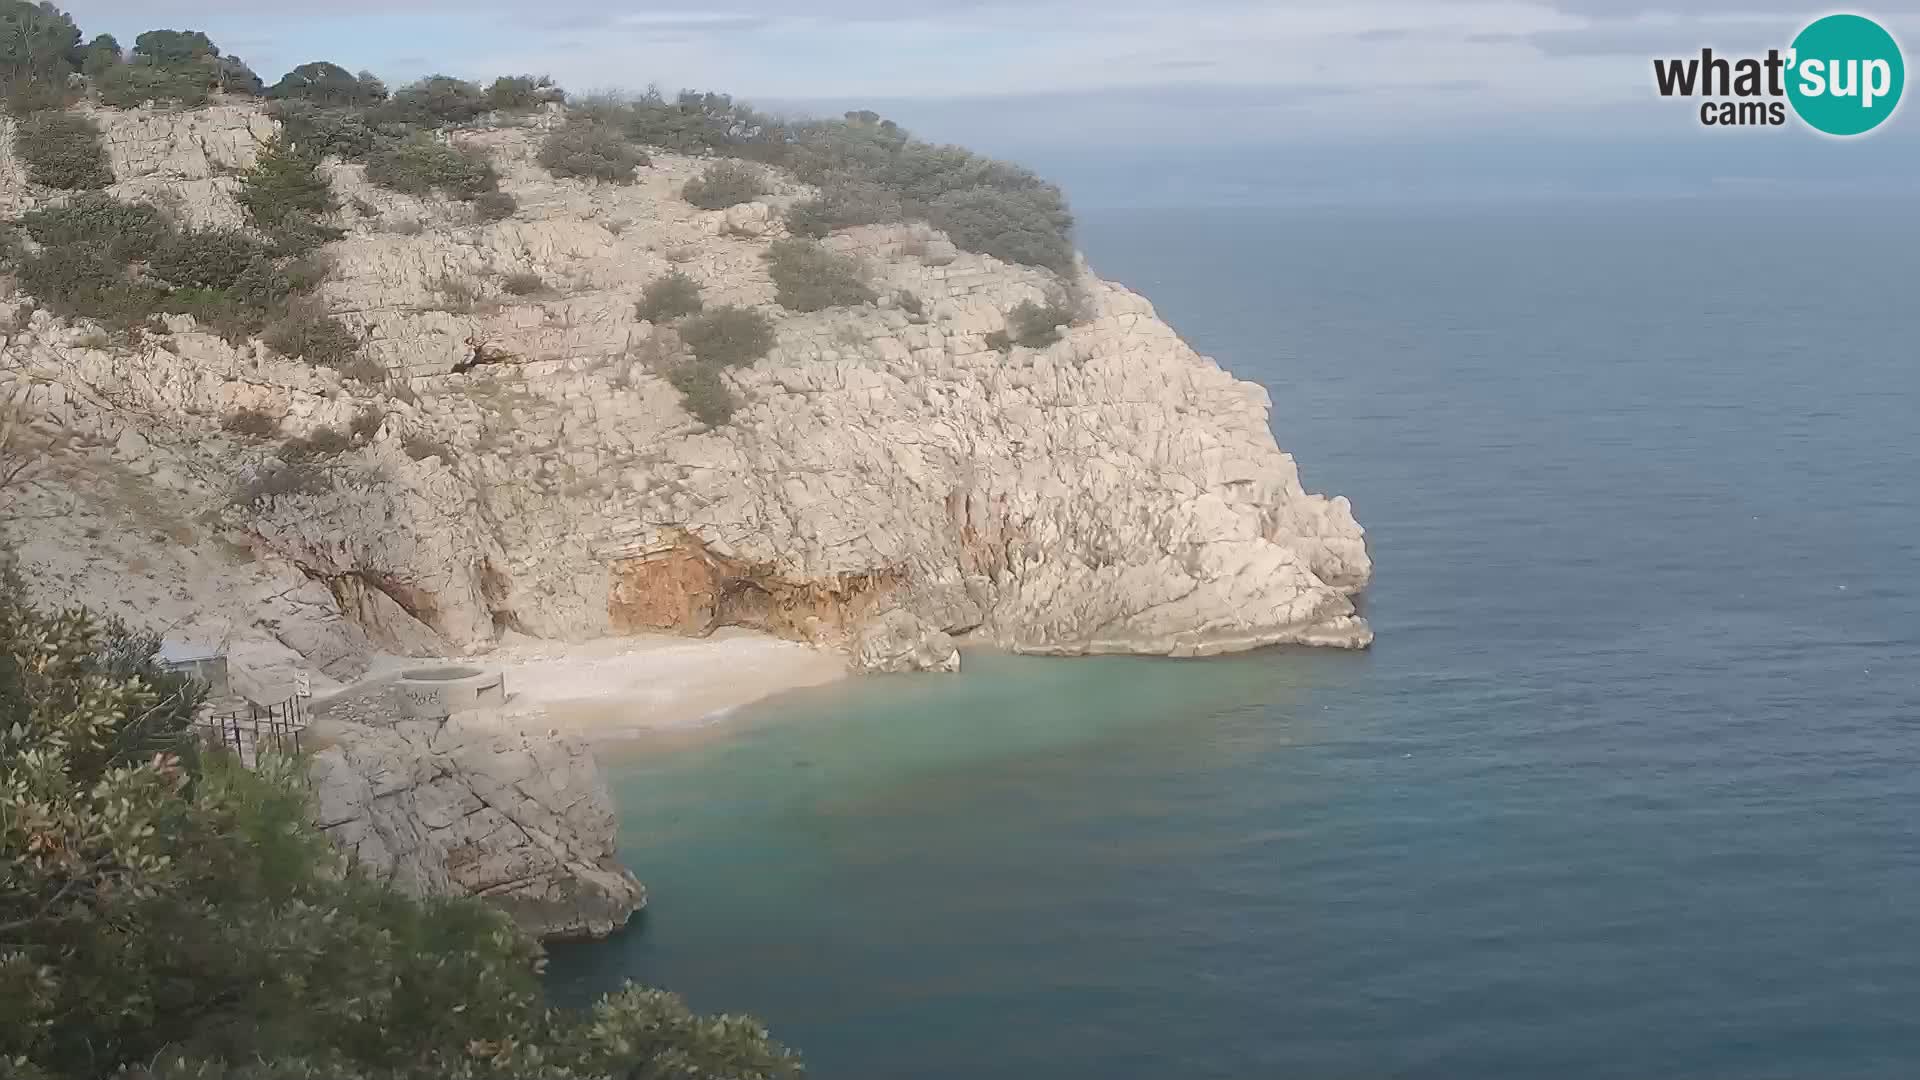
616	687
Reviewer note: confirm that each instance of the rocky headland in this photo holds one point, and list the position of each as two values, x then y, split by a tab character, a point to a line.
893	483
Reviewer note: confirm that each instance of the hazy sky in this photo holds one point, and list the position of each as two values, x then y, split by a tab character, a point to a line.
1065	77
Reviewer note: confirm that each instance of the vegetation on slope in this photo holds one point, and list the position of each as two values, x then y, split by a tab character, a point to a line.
167	912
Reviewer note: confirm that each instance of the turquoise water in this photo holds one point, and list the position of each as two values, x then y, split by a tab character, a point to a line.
1630	785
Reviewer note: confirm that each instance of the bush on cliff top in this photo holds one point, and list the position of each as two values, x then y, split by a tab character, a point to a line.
522	93
583	150
328	85
724	184
435	101
166	912
808	277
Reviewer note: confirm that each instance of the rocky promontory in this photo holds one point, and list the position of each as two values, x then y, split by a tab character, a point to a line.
513	449
1111	492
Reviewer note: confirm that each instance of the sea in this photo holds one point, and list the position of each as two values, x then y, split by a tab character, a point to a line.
1628	787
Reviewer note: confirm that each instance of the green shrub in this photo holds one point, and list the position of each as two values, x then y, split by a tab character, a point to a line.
583	150
1031	227
668	297
524	284
252	423
173	47
724	184
985	205
692	123
522	93
28	97
323	442
420	446
236	77
321	130
291	478
419	165
703	392
808	277
728	335
328	85
130	86
1032	325
38	43
100	54
495	206
366	424
909	302
62	150
286	197
435	101
843	203
307	332
220	311
208	258
129	232
90	283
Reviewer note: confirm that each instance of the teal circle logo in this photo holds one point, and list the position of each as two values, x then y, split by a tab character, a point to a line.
1845	75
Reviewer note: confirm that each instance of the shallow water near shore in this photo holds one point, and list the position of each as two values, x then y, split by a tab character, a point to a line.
1629	786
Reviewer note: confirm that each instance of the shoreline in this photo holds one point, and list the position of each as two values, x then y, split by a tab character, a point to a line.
613	689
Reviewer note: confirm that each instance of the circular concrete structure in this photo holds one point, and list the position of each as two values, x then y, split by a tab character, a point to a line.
436	693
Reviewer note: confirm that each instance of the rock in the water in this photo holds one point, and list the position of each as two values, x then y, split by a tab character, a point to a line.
463	807
900	641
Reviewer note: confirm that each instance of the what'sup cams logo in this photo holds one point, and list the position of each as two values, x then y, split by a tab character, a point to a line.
1842	75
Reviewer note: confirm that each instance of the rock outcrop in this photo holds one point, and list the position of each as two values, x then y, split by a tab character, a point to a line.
476	806
900	641
1113	492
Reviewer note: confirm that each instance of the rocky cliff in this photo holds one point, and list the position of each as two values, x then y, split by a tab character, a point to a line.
890	480
474	805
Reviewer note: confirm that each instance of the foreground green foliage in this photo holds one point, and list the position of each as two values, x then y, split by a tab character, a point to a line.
808	277
172	914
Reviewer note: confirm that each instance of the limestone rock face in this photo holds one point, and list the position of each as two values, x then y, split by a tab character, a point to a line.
901	641
1112	492
464	808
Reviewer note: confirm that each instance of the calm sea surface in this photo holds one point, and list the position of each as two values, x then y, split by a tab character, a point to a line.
1629	787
